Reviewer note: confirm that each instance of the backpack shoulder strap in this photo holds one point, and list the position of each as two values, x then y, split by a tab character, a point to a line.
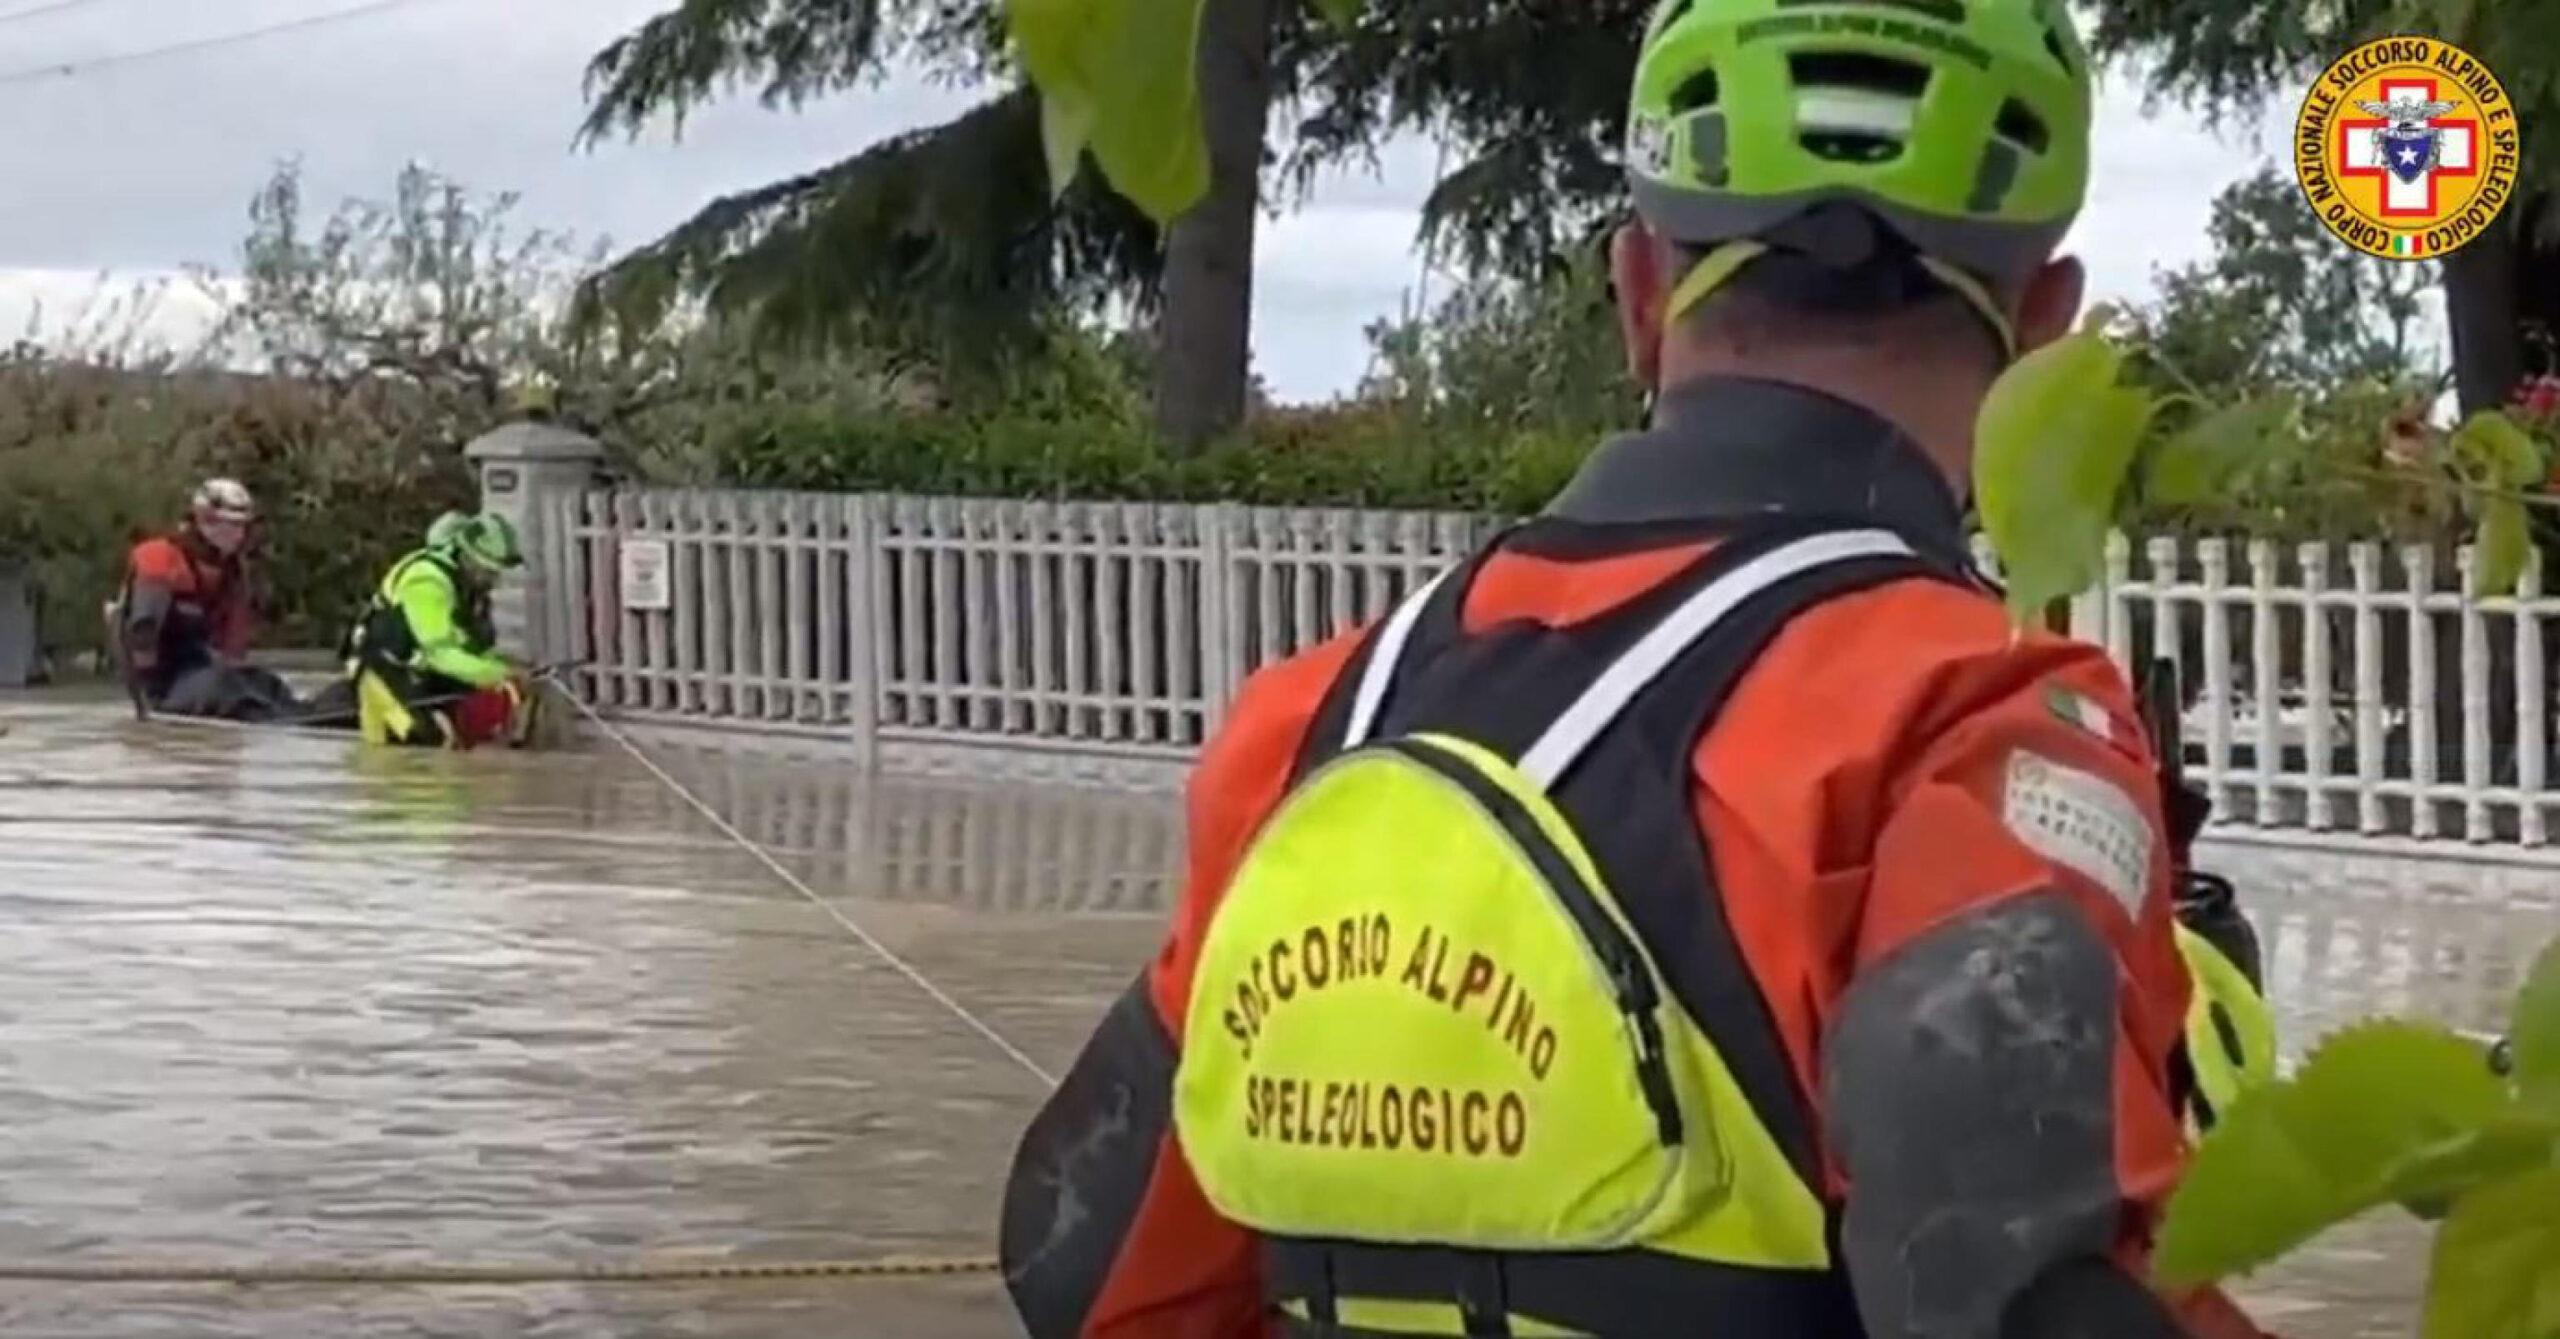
1743	569
1747	572
1430	616
1618	760
1436	611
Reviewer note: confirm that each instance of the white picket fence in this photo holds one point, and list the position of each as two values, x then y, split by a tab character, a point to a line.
2350	692
2356	688
1116	628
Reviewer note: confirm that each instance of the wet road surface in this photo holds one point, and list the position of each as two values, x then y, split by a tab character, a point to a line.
270	997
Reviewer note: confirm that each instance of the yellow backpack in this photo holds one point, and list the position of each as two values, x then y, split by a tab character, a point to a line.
1470	985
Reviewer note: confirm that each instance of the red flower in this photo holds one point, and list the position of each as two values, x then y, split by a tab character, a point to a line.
2538	397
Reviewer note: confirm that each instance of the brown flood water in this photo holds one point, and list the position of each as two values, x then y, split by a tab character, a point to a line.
268	997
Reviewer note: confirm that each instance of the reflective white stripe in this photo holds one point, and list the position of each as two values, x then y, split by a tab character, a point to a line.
1563	743
1857	110
1382	662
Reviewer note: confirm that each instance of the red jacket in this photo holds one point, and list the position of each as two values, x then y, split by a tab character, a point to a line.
185	606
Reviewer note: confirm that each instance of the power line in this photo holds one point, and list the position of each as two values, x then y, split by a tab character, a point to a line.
41	10
68	68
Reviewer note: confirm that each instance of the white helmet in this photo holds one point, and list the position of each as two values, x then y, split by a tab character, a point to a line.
223	500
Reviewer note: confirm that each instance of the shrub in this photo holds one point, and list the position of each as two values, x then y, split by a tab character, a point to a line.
1357	456
93	458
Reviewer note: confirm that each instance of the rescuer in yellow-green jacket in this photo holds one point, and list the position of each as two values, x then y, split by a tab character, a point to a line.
424	658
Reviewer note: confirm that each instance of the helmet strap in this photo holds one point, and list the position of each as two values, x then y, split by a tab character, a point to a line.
1979	298
1713	271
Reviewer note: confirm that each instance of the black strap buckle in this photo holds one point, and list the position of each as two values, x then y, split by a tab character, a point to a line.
1484	1295
1324	1299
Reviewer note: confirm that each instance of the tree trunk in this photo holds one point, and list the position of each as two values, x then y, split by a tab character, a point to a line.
2481	306
1204	338
2537	284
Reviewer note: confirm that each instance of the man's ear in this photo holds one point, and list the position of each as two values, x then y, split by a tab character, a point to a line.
1636	277
2051	304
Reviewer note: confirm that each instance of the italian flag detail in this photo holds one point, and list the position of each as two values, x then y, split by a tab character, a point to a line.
2074	709
2406	244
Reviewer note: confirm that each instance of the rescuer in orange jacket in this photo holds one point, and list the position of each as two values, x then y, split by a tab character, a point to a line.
189	611
1700	913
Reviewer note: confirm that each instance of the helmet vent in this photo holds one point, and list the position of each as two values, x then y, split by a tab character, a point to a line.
2061	57
1697	92
2022	127
1854	106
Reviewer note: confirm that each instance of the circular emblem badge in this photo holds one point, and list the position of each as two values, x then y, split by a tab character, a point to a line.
2407	148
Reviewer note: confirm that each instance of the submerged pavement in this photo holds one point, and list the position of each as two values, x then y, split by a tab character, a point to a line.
270	997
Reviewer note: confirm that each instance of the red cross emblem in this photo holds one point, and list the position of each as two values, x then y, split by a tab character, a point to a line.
2361	147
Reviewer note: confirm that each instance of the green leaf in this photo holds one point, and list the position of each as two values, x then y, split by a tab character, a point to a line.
2378	1094
1340	12
2196	465
2053	442
2249	1196
2505	544
1126	69
2506	455
2331	1142
2496	1273
1066	126
2534	1033
2426	1183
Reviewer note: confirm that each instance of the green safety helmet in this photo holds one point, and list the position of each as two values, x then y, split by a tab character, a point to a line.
1960	125
486	540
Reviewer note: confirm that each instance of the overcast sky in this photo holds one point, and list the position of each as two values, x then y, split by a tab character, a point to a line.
137	169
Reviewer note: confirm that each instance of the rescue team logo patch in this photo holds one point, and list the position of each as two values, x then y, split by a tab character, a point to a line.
2407	148
2082	822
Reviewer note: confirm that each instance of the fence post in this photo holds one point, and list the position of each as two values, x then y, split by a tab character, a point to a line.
2105	618
2087	620
2533	704
866	622
521	466
2319	695
1221	630
21	641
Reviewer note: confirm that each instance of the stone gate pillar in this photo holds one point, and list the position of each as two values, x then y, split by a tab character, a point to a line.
523	466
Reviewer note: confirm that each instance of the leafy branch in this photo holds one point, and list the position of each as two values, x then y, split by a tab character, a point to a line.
2394	1112
2066	439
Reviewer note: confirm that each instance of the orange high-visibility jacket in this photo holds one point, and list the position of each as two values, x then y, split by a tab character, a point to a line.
1970	985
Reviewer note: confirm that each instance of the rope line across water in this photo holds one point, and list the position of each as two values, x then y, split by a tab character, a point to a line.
430	1274
783	872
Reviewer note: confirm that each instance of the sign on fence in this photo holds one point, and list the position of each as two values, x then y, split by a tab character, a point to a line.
644	575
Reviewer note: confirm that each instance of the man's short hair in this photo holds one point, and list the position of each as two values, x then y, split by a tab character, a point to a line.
1785	299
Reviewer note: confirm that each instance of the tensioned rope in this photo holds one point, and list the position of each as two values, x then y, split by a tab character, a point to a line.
783	872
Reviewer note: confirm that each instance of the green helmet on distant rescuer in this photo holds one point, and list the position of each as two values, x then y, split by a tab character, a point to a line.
1961	125
486	543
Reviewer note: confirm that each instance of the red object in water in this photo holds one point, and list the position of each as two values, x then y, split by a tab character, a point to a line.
482	717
